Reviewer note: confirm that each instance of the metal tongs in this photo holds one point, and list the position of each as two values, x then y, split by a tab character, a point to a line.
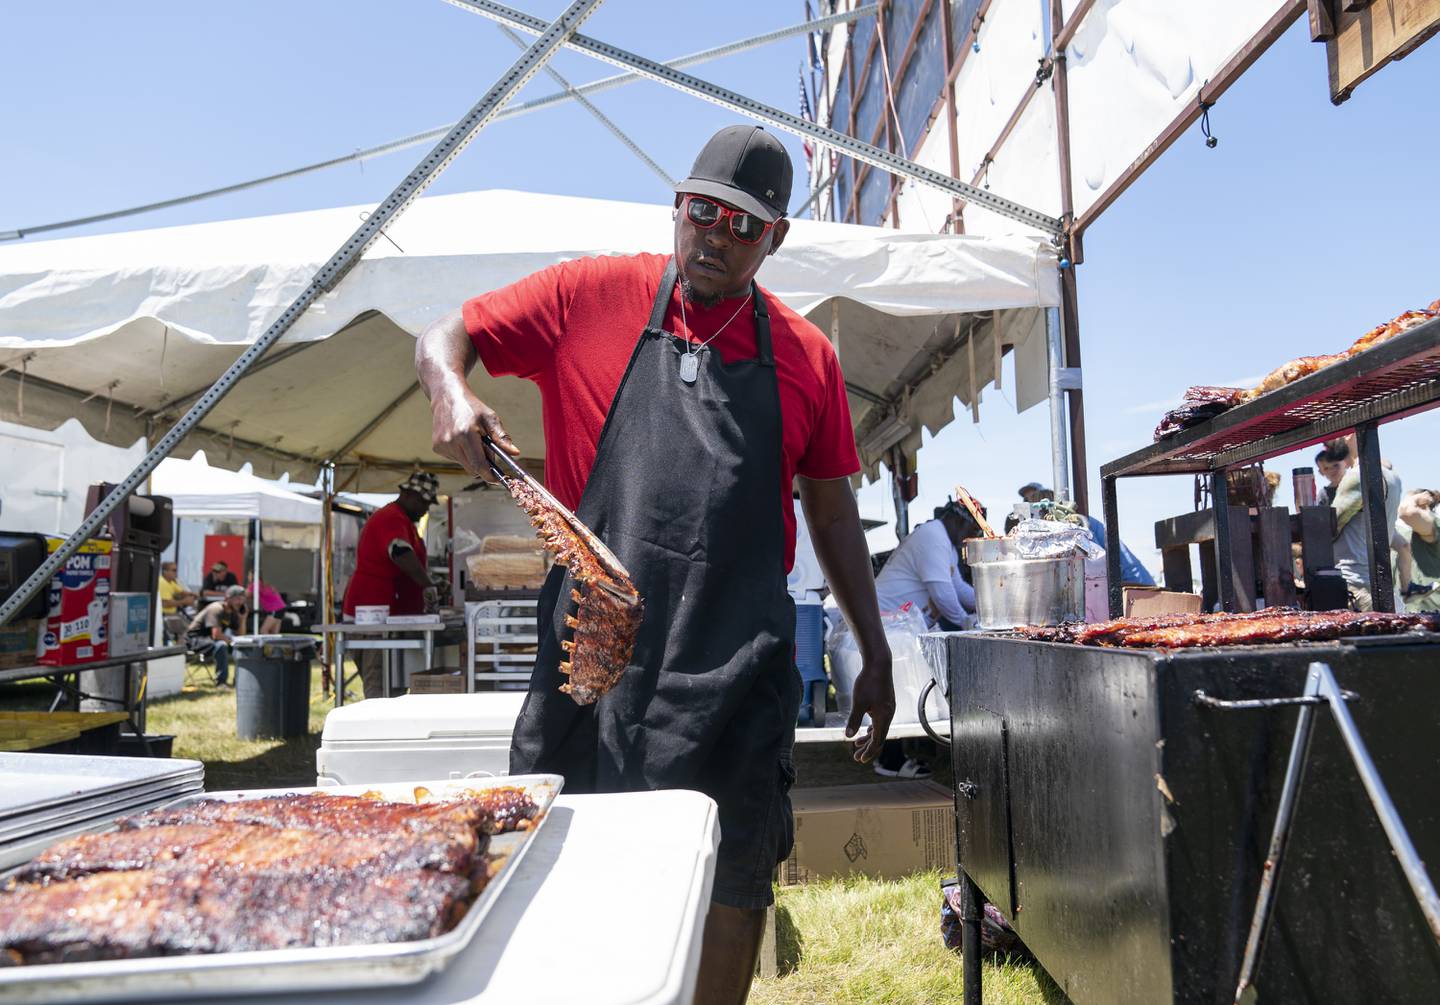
509	470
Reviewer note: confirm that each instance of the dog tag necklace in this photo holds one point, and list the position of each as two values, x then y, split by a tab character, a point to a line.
690	357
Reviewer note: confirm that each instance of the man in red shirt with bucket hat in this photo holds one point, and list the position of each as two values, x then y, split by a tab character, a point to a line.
390	567
680	403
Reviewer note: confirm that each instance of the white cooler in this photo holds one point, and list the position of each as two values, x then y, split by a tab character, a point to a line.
418	736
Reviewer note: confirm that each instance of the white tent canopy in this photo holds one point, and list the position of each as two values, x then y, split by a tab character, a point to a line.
125	331
205	492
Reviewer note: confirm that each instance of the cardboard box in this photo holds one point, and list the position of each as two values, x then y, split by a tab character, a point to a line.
77	626
437	681
129	623
18	643
1148	601
886	831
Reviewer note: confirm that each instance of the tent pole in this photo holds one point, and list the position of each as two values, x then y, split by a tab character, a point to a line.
1058	450
326	279
897	489
255	579
327	545
1070	305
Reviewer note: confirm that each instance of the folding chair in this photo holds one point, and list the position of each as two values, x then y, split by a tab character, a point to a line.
198	667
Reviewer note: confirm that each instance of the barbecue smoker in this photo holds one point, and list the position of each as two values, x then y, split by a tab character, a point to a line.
1122	824
1215	825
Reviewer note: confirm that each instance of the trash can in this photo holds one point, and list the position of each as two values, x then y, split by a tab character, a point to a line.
272	685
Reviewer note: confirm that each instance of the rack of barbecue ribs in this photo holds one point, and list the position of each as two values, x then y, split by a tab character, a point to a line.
1200	404
608	608
1306	365
289	871
1272	625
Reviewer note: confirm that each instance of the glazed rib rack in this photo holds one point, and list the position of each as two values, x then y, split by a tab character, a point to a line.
1273	625
608	608
282	872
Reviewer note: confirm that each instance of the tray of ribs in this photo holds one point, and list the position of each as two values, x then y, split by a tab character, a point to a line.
267	891
1267	627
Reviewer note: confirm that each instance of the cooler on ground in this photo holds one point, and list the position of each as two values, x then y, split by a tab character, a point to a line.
418	736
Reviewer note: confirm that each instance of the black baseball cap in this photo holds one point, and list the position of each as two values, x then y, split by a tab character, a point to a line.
745	167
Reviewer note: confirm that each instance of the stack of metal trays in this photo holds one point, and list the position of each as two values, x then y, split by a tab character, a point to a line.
47	797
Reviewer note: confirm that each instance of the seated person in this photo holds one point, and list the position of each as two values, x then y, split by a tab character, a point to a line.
216	624
174	596
217	581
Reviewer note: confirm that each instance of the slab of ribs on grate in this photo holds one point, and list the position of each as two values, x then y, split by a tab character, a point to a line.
1276	624
282	872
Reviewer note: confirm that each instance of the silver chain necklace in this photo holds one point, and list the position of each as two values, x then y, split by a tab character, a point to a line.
690	358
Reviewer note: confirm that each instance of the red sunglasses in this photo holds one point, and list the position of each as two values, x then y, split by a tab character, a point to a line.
747	228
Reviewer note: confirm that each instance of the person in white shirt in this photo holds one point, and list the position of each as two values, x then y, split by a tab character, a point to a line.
926	570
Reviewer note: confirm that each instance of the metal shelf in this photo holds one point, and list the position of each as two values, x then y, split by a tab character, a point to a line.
1391	380
1394	379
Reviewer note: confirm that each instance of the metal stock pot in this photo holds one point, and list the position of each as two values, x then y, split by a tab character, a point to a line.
1011	590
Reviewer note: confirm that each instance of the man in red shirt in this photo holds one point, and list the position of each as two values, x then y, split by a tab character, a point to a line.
680	402
390	567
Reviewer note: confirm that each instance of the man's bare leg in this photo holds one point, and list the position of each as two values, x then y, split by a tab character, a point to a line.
728	953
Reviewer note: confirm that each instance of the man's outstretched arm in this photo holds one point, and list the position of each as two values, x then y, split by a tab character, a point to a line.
444	357
834	523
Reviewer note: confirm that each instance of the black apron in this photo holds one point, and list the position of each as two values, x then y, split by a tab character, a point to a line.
686	491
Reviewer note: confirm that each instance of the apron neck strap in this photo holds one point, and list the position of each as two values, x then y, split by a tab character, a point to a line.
662	295
763	351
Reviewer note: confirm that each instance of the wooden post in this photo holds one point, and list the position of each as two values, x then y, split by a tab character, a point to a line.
1277	562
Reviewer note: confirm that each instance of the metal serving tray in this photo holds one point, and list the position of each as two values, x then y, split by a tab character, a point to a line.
30	783
289	970
21	850
102	807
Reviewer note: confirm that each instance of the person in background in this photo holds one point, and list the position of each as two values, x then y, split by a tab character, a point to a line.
926	569
1352	537
1132	571
174	596
1420	515
390	569
1331	467
272	605
217	581
216	623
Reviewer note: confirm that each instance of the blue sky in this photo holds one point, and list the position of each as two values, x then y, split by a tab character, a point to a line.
1307	225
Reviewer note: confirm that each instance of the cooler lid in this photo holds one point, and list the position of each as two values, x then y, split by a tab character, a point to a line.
425	717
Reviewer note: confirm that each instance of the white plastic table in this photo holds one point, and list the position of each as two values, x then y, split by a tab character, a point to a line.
607	908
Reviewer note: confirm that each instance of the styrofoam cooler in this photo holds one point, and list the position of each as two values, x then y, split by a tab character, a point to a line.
418	736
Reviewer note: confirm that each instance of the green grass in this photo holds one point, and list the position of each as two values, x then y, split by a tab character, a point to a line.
877	942
202	721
